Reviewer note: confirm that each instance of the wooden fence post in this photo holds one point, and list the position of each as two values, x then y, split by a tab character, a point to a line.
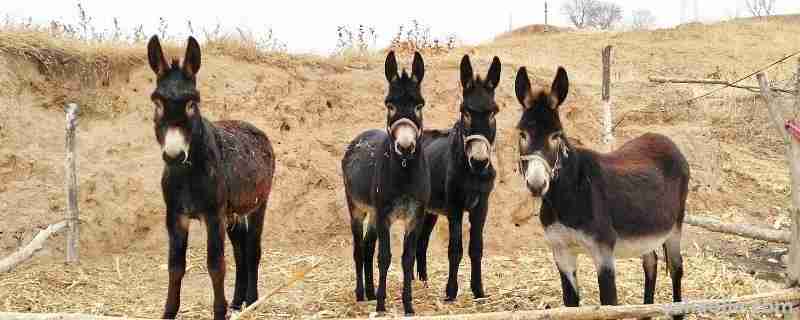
793	160
608	135
71	183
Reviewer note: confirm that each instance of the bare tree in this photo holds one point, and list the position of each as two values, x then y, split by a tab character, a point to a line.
606	15
761	8
592	13
580	12
643	19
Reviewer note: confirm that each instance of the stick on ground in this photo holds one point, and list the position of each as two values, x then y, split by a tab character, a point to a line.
744	230
25	253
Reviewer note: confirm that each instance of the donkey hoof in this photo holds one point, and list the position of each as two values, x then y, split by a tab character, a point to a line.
371	297
480	295
168	315
450	299
409	312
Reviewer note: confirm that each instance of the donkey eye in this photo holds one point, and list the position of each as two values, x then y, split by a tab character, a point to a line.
419	106
159	109
391	108
190	108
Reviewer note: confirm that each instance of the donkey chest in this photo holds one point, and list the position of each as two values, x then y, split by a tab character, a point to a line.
580	242
401	209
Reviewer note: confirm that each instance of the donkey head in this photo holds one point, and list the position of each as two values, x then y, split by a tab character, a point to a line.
477	113
542	144
404	104
176	100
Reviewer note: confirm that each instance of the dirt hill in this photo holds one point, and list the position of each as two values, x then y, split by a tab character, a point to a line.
311	106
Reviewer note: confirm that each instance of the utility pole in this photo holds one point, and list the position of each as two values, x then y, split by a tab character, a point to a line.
545	13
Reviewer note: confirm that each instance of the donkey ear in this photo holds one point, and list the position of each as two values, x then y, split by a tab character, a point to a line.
391	66
191	62
522	86
493	76
156	57
418	67
560	86
466	72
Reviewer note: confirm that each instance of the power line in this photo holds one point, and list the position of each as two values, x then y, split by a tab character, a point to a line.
710	92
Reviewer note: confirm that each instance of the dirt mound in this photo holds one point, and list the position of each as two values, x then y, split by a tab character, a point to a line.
531	30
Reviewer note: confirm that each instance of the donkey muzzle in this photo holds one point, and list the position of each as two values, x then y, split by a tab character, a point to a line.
479	152
405	134
176	147
537	174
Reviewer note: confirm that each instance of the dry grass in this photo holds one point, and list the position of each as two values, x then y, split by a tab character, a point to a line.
525	280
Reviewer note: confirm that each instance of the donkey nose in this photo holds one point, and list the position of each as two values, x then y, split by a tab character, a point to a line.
538	189
478	164
406	146
175	157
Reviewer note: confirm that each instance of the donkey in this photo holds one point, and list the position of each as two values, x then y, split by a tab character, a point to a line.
462	175
626	203
219	172
386	179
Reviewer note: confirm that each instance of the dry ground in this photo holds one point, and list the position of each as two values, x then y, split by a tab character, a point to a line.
311	106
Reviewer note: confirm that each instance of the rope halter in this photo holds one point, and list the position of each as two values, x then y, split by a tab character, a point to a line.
483	139
396	124
553	171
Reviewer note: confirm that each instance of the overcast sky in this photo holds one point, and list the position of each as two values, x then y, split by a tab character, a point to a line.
310	26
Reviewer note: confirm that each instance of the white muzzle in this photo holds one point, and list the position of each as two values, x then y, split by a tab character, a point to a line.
175	143
405	133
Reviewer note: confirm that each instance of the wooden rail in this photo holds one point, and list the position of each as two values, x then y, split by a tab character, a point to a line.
778	301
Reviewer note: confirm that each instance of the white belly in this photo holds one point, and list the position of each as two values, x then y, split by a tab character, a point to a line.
577	242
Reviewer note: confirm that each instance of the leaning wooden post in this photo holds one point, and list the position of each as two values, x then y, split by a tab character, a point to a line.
72	185
608	135
792	146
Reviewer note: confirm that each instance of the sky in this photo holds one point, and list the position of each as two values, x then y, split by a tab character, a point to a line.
310	26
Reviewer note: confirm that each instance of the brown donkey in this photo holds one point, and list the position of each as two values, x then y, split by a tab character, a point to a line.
626	203
219	172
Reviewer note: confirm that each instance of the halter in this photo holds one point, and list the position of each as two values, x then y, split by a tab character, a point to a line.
563	151
478	137
404	159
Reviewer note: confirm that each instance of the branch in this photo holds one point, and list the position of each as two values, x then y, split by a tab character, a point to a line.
300	275
748	231
25	253
781	299
712	81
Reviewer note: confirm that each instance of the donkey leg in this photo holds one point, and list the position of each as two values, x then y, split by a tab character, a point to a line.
650	266
254	227
477	219
672	251
369	258
215	260
237	236
384	260
410	242
178	231
428	223
606	276
454	254
357	228
566	262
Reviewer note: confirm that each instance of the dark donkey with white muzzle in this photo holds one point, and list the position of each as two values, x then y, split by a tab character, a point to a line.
626	203
462	175
386	179
219	172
